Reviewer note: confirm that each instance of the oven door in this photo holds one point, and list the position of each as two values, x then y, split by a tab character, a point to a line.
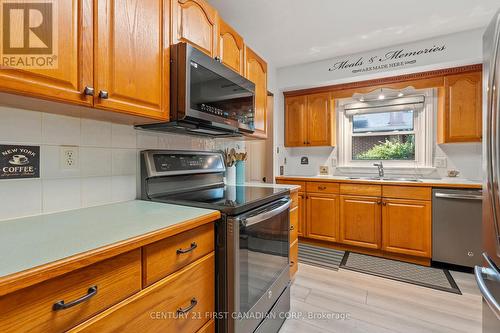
258	263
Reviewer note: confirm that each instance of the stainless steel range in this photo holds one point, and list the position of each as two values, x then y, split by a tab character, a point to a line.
252	237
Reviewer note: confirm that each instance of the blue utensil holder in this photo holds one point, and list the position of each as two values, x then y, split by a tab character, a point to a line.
240	173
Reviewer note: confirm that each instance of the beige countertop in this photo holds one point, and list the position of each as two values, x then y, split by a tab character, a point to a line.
29	244
443	182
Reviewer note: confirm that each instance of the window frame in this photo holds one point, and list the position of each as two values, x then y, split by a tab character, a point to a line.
424	138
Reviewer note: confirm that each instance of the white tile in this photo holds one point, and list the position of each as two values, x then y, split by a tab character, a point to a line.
61	194
19	125
20	198
123	188
123	136
96	191
60	130
147	140
95	162
96	133
50	164
124	162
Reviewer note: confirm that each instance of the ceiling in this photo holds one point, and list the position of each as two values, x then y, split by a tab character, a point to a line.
287	32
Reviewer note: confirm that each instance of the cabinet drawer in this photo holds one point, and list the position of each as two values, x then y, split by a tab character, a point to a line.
316	187
407	192
178	303
293	182
208	328
361	189
171	254
294	258
31	309
294	224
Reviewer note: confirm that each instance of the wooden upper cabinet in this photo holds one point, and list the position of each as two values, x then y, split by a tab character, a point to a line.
309	120
361	221
460	115
195	22
406	227
323	217
73	69
319	114
230	48
132	57
256	71
295	119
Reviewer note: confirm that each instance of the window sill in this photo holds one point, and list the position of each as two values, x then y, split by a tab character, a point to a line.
389	170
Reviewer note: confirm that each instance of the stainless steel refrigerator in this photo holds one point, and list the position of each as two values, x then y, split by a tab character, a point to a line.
488	277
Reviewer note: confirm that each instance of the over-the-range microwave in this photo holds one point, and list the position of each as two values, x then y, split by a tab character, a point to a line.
207	98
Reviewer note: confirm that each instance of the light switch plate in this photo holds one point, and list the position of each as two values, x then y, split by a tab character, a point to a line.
440	162
323	170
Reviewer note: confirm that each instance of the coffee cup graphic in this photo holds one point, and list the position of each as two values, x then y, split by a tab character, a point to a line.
19	160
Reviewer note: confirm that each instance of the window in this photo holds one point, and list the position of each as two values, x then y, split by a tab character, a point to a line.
401	137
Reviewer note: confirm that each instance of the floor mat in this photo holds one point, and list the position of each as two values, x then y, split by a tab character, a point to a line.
429	277
320	256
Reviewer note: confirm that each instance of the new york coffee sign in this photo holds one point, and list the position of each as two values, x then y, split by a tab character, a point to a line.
19	161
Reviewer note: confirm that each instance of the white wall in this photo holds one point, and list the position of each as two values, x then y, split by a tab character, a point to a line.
463	48
108	161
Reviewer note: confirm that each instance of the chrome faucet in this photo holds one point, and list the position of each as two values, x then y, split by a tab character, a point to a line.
380	167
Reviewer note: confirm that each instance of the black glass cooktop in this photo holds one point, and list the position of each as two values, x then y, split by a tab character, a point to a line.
228	199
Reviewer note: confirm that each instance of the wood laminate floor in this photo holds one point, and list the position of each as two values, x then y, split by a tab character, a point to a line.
372	304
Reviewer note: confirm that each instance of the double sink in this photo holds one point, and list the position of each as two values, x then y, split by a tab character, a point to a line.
394	179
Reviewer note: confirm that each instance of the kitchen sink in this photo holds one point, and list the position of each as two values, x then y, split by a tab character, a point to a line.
387	179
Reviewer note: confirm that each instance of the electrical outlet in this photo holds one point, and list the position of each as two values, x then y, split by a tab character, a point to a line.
440	162
69	158
323	170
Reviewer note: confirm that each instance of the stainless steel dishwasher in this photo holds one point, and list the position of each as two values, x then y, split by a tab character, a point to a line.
456	226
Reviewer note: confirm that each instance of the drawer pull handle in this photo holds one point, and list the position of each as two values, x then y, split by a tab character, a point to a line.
181	311
62	306
193	246
321	188
292	263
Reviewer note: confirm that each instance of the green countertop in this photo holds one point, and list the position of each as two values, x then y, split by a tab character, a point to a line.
29	242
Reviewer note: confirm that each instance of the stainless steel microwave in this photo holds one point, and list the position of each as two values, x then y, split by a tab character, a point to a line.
207	98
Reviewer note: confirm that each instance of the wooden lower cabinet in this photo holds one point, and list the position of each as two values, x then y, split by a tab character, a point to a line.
323	216
294	258
208	328
302	215
360	221
178	303
406	227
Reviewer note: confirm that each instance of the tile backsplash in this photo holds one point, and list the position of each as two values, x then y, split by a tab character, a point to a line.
107	161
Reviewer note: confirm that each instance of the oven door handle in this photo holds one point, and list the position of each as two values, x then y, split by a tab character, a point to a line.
266	215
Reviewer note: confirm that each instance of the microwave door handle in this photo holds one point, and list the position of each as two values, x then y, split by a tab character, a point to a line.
267	214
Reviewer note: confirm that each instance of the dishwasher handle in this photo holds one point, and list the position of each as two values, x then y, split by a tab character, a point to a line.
458	196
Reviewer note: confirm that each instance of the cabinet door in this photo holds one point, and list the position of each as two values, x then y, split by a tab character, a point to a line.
256	71
406	227
302	215
295	121
231	49
195	22
323	216
360	221
132	59
463	108
319	114
72	71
